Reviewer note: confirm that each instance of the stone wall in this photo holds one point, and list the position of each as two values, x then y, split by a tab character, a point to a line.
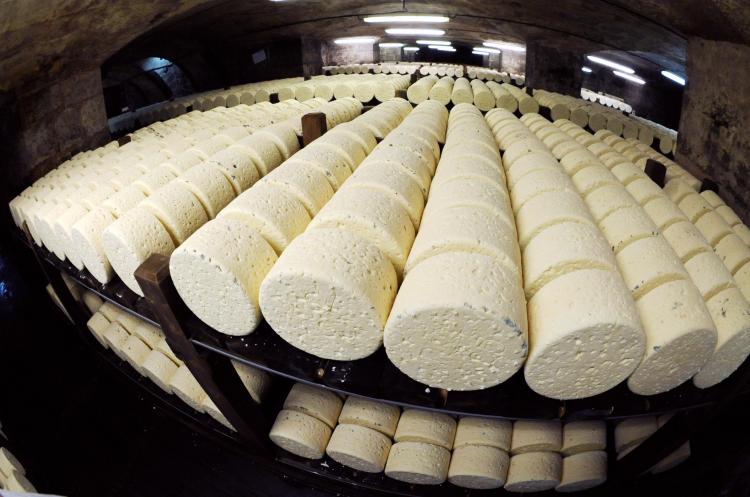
514	62
337	55
553	69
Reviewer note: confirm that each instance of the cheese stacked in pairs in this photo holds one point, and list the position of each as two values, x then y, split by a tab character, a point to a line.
480	453
632	432
526	103
332	289
726	305
442	90
459	319
584	332
419	91
13	474
535	463
584	463
220	282
503	99
680	335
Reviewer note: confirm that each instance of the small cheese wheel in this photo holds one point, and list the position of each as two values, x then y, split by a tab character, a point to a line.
583	436
361	134
713	227
237	165
418	463
686	240
395	182
300	434
178	209
374	216
308	184
165	349
266	156
335	271
411	163
218	272
358	447
328	162
632	431
625	227
483	431
728	215
485	342
343	144
577	160
519	149
731	315
92	301
578	308
564	148
712	198
64	232
548	209
416	425
132	239
740	230
563	248
648	263
272	211
256	381
9	463
645	190
159	369
97	324
150	334
537	183
674	459
733	252
534	472
479	467
677	190
608	199
135	351
209	185
187	388
694	206
680	334
709	274
583	471
368	413
155	179
115	336
316	402
17	482
124	200
528	163
663	212
536	436
87	238
627	172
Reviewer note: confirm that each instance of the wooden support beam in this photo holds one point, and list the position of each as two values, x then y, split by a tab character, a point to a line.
314	125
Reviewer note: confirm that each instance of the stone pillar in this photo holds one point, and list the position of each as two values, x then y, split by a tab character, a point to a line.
495	61
312	59
513	62
553	69
389	54
715	111
349	54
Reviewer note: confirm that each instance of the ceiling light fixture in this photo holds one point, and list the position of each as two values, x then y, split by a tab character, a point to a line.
630	77
433	42
390	45
406	18
355	40
411	49
609	63
673	77
504	45
586	69
415	32
442	48
477	52
487	50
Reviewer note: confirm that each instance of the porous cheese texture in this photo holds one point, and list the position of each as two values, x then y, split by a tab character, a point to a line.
647	263
583	471
178	209
392	180
187	388
664	212
728	215
135	351
150	334
686	240
307	183
316	402
368	413
694	206
548	209
534	472
645	190
677	190
733	252
218	272
9	464
87	238
479	467
533	161
300	434
674	459
626	226
272	211
154	179
330	294
264	152
577	160
632	431
63	227
483	431
92	301
416	425
132	239
473	307
124	200
591	178
583	436
330	163
730	312
283	136
569	357
360	448
159	368
418	463
608	199
680	337
536	436
538	182
465	167
210	186
713	227
97	324
256	381
471	191
115	336
375	216
236	164
709	274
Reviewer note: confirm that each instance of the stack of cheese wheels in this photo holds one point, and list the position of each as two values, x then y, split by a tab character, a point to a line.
557	109
584	331
385	89
362	439
503	99
725	303
332	289
584	463
535	462
303	426
13	474
442	90
260	223
728	214
463	276
484	99
680	335
419	91
526	103
630	433
421	454
480	453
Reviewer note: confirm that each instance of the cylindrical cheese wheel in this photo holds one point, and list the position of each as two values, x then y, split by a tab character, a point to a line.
536	436
627	226
187	388
115	335
694	206
733	252
537	183
632	431
583	436
236	164
663	212
548	209
316	402
178	209
419	463
608	199
87	238
300	434
210	186
360	448
394	181
97	324
264	152
713	227
368	413
483	431
478	467
675	458
648	263
534	472
159	368
256	381
528	163
568	357
434	428
712	198
124	200
686	240
583	471
135	352
709	274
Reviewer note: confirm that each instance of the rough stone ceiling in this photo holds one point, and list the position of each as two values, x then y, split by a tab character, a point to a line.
43	39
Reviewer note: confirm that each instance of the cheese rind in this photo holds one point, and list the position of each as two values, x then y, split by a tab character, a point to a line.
187	388
434	428
87	238
583	436
534	472
300	434
316	402
733	252
419	463
237	165
686	240
213	190
608	199
547	210
178	210
375	415
159	368
483	431
536	436
632	431
360	448
583	471
648	263
478	467
97	324
709	274
713	227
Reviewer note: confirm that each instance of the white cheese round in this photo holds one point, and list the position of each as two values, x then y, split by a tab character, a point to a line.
536	436
210	186
528	163
538	182
569	319
583	436
626	172
159	368
359	448
577	160
644	190
686	240
548	209
483	431
115	336
64	231
471	191
300	434
360	133
124	200
154	179
694	206
709	274
677	190
418	463
743	232
389	178
583	471
648	263
591	178
416	425
712	198
135	351
178	209
625	227
375	415
467	168
237	165
479	467
308	184
330	163
664	212
713	227
728	215
414	165
733	252
534	472
632	431
187	388
87	239
96	325
519	149
319	403
264	152
608	199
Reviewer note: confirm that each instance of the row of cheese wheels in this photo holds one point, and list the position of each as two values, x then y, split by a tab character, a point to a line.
442	70
13	474
363	87
485	96
632	432
265	222
144	347
379	68
423	447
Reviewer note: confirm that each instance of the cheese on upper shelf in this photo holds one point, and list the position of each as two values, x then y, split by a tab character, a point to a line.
686	240
213	190
733	252
360	448
319	403
483	431
375	415
236	164
86	236
419	463
308	184
548	209
478	467
626	226
187	388
709	274
159	368
534	472
648	263
300	434
694	206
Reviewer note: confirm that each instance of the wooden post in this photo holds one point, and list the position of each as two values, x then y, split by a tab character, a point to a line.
656	171
273	98
401	94
313	126
709	184
216	375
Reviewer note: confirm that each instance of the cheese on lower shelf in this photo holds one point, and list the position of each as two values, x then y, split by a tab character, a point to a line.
585	335
686	240
300	434
135	351
483	431
418	463
159	369
256	381
534	472
478	467
632	431
115	336
368	413
218	272
92	301
87	238
360	448
548	209
583	471
316	402
416	425
97	324
674	459
178	210
471	305
187	388
536	436
63	227
648	263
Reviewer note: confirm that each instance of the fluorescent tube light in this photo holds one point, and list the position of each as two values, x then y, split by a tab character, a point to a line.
411	49
487	50
609	63
415	32
355	40
477	52
433	42
629	77
390	45
586	69
673	77
442	48
504	45
406	18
